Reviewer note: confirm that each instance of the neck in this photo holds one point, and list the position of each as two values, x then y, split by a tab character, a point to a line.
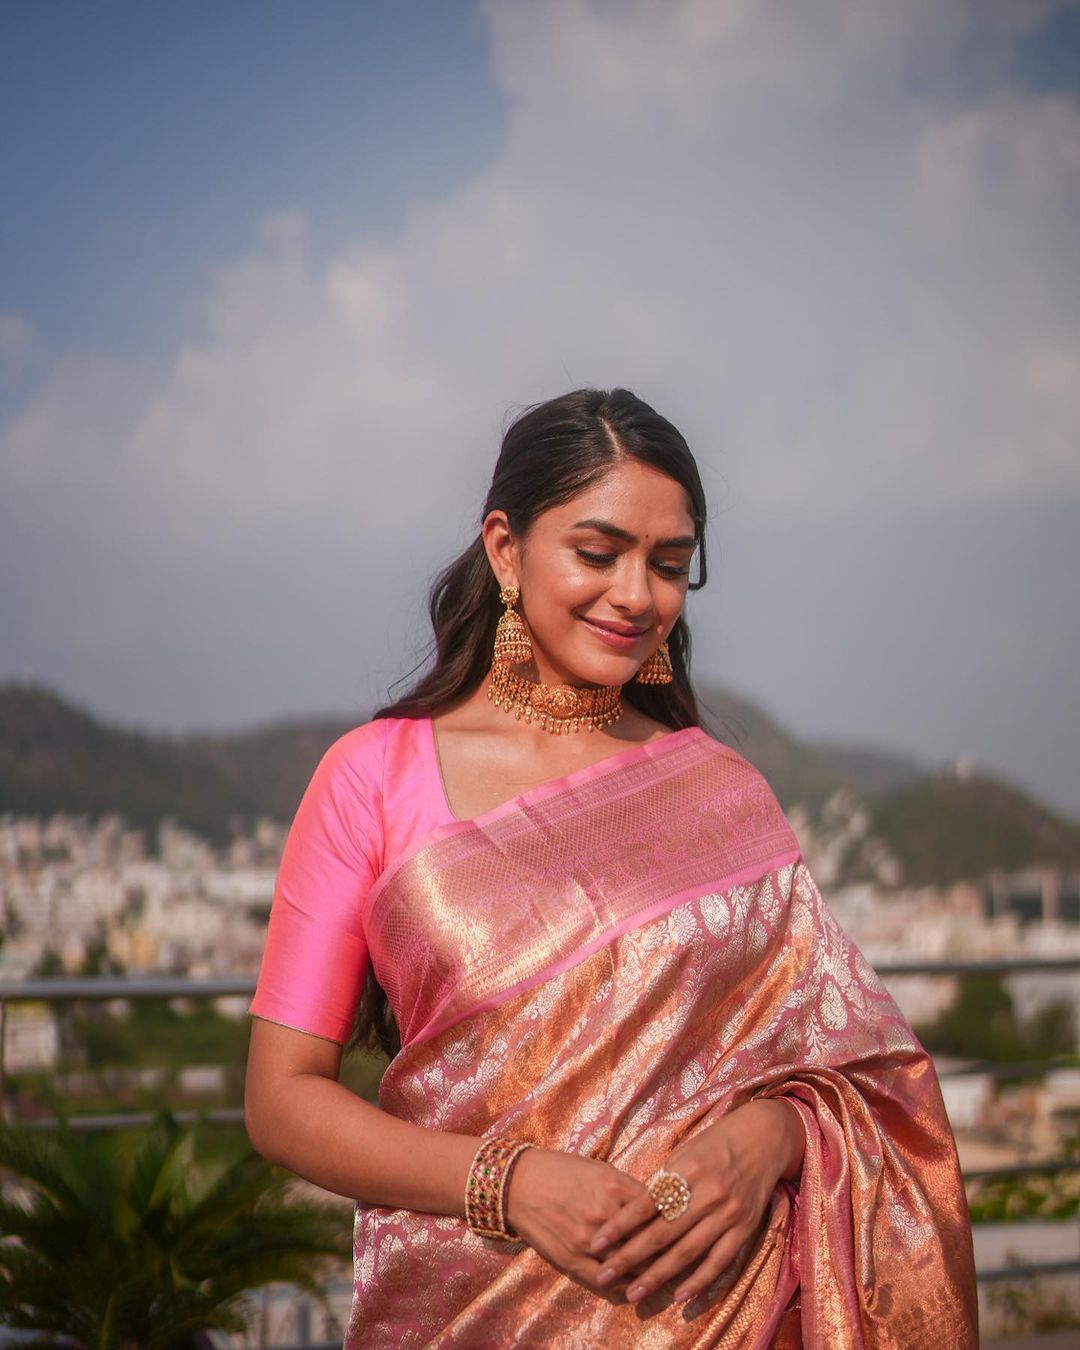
558	708
530	672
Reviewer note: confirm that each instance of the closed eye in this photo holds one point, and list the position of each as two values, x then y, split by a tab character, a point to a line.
606	559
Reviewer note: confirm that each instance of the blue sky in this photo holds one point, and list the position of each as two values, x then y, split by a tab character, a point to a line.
273	277
148	140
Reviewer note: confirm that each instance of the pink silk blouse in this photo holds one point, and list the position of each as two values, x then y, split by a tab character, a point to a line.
376	793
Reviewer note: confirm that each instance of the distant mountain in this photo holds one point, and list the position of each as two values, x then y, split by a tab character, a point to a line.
793	770
58	757
948	828
873	772
268	768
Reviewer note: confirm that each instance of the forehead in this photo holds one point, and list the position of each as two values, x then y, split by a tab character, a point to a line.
635	497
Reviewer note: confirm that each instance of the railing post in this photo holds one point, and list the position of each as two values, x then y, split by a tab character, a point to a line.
3	1070
303	1322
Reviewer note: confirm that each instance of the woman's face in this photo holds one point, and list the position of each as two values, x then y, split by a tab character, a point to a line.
603	577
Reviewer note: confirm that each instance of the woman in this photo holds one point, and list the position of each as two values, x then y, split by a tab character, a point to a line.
646	1091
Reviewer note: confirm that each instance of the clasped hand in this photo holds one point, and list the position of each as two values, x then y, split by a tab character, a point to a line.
600	1226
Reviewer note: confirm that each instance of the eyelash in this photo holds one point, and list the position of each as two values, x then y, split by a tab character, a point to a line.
606	559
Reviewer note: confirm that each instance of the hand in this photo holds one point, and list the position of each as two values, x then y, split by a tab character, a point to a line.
556	1201
732	1168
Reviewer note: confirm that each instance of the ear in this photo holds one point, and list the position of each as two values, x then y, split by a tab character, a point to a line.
501	548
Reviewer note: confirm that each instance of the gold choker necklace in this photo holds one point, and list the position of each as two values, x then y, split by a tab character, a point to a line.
558	708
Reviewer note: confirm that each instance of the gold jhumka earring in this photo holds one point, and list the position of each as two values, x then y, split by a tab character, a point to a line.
657	669
558	708
513	646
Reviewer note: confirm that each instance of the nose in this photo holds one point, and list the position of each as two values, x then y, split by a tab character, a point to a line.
630	590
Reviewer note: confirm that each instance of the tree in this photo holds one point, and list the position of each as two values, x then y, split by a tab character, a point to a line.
116	1247
1051	1029
981	1023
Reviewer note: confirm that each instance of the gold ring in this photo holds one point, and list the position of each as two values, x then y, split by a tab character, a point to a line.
670	1193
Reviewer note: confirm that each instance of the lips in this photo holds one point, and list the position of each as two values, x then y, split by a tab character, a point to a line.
623	630
620	636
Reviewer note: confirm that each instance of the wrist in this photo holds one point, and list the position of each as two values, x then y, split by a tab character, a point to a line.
487	1187
792	1135
518	1186
795	1135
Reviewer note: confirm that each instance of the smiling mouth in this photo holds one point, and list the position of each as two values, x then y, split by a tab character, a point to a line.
615	628
621	636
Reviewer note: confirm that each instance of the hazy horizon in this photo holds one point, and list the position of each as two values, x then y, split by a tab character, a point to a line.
703	687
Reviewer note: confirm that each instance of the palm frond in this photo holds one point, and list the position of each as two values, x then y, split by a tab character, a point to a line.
31	1297
146	1244
53	1161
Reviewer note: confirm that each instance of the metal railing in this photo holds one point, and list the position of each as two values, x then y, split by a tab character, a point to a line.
105	988
100	989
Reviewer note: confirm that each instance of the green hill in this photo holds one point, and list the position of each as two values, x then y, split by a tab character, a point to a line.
946	829
794	772
873	772
266	769
58	757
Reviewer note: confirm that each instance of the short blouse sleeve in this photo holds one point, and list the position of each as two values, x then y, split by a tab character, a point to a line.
316	954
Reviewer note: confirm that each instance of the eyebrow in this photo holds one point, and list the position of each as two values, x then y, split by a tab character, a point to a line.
617	532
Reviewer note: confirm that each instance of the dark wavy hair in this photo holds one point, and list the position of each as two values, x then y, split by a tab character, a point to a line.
551	453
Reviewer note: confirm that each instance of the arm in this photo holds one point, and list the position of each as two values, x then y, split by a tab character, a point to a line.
298	1115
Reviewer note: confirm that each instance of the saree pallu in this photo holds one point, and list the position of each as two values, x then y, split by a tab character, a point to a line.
606	966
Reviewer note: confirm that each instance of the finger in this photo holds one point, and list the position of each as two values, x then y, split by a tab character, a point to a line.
585	1272
676	1260
727	1255
642	1247
626	1220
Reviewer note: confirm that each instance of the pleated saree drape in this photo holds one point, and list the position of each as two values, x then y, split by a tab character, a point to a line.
607	965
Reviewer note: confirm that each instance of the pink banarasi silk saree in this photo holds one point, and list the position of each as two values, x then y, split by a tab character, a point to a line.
606	964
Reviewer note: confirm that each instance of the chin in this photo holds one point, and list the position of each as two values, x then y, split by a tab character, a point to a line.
618	671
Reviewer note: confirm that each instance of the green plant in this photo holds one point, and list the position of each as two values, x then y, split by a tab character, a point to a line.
1031	1307
141	1246
1053	1192
1053	1195
981	1023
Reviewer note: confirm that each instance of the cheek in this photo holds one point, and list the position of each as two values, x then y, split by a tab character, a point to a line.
553	596
571	586
668	609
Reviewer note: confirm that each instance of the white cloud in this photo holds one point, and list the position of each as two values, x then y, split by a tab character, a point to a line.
807	287
20	349
847	272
